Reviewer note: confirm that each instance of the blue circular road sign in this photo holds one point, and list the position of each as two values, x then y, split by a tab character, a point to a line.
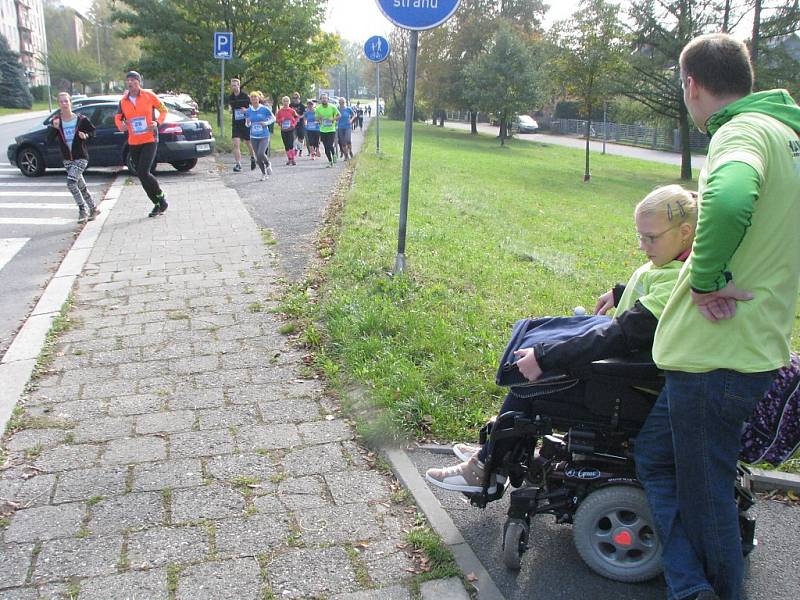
376	48
418	14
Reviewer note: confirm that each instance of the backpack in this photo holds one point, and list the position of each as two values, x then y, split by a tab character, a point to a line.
772	433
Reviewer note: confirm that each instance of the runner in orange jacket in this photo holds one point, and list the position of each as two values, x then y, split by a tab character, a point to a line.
136	115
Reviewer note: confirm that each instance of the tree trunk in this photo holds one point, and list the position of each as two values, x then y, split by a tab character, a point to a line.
473	122
686	152
586	174
442	115
726	17
755	38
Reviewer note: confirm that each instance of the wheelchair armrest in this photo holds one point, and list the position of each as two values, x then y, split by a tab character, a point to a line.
637	366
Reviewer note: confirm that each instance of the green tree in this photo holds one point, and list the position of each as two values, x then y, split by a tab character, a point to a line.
104	42
349	75
504	78
14	85
278	44
661	28
68	68
589	57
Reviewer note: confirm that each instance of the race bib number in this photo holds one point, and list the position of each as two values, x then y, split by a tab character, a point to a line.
287	124
256	128
238	114
139	124
327	122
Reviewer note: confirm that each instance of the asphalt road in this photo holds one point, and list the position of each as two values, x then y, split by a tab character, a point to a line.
38	224
552	568
292	202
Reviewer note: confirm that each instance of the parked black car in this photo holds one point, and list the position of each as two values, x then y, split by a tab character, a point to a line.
181	141
172	102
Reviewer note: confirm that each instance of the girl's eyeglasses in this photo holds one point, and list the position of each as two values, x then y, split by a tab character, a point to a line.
653	238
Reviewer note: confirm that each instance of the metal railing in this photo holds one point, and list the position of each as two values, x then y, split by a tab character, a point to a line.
657	138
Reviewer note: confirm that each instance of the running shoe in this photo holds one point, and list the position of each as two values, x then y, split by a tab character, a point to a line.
269	168
236	168
264	177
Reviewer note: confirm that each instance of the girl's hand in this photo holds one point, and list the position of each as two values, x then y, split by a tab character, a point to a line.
56	122
247	122
528	365
604	303
83	135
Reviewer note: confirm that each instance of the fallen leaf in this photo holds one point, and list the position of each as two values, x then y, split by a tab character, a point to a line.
472	577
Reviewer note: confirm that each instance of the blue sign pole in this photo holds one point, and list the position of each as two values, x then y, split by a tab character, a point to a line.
223	50
376	49
415	15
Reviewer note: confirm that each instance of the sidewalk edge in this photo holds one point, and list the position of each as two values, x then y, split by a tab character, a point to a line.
19	361
441	522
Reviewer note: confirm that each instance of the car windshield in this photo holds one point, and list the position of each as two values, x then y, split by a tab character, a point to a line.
525	119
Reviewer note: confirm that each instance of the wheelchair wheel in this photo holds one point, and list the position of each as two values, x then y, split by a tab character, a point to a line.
615	536
515	542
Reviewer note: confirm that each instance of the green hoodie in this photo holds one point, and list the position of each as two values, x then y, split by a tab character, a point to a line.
748	219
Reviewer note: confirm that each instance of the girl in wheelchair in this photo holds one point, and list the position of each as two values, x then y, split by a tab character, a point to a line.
665	225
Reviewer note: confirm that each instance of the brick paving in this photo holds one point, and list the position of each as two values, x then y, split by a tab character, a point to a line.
174	448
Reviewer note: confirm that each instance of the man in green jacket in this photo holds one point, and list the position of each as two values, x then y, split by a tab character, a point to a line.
727	325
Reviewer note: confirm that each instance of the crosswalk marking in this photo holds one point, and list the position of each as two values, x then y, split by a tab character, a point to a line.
24	183
37	194
39	205
32	221
9	247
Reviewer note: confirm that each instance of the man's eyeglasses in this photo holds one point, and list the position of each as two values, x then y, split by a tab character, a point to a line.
653	238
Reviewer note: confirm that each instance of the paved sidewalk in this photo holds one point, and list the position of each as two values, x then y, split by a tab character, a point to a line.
174	448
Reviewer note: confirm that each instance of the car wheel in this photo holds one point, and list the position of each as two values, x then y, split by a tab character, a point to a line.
30	162
185	165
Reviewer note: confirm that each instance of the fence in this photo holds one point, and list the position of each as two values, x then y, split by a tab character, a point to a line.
657	138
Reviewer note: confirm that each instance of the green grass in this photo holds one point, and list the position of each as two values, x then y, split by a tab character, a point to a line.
494	234
36	106
223	142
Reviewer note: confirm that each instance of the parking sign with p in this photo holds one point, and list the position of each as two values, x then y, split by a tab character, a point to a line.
223	44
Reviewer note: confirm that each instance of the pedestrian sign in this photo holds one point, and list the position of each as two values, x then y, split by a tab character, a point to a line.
418	14
223	45
376	48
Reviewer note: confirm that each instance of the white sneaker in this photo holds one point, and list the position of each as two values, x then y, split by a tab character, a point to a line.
264	177
269	169
465	477
465	451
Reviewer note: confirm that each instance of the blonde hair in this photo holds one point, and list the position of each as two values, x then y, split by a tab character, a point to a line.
674	203
284	99
255	93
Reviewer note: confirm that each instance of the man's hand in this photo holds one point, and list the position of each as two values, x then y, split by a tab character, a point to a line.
528	365
604	303
720	305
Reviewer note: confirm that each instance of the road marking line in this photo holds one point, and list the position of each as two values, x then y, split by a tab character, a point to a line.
24	183
37	194
9	247
39	205
32	221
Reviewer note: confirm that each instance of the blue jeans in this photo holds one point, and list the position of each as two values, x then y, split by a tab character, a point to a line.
686	457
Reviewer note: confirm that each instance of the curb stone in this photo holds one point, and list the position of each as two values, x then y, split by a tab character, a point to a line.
443	525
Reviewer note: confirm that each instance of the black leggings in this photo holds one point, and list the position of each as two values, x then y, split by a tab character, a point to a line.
313	139
142	156
287	135
327	141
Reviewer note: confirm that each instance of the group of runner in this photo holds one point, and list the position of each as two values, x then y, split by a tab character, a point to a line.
302	126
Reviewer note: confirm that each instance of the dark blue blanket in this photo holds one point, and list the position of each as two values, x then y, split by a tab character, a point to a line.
548	330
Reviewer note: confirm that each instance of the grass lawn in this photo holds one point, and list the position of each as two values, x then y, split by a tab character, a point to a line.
36	106
494	234
223	142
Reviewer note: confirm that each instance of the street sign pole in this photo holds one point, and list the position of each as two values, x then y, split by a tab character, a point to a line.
400	260
413	17
377	49
222	99
223	50
378	110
